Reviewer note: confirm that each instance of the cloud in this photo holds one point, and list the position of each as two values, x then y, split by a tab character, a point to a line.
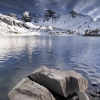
83	4
92	12
4	4
97	16
63	6
45	1
90	7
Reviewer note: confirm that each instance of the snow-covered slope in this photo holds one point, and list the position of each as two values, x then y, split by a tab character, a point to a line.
12	26
76	23
66	21
51	23
90	26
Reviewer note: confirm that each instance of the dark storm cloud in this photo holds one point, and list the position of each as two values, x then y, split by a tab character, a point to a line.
90	7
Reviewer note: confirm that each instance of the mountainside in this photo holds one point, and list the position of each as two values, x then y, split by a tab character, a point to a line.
72	21
10	25
52	23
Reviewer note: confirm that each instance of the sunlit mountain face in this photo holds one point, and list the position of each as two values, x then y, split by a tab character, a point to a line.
88	7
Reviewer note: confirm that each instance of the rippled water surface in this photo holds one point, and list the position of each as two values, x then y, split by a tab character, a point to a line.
19	56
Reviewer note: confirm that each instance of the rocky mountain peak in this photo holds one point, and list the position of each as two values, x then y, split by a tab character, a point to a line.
48	14
26	16
73	12
12	15
35	18
51	14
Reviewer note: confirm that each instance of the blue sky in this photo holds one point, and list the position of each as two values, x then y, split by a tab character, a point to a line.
87	7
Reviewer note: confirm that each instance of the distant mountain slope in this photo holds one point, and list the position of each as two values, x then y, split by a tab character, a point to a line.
52	23
11	26
73	21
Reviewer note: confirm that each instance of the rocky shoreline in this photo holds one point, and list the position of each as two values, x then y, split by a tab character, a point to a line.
52	84
92	35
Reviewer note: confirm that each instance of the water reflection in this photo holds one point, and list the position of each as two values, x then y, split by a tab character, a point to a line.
19	56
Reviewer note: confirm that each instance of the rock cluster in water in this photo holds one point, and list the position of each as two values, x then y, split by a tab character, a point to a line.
51	84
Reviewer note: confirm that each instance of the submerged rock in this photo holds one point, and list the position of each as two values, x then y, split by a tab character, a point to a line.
29	90
94	94
94	84
62	82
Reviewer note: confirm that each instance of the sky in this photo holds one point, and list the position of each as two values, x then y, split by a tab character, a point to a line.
87	7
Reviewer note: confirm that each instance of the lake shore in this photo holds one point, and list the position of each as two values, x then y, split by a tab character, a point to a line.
92	35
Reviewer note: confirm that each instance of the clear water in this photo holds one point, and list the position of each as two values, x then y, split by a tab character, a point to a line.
19	56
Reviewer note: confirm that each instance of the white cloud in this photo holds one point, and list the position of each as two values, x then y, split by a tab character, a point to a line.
94	11
97	16
10	6
63	6
46	1
83	4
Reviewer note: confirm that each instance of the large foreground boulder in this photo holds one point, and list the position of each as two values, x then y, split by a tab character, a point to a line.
61	82
29	90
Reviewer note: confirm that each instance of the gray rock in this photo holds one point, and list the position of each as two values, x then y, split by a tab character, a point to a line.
88	94
94	94
4	19
74	98
20	24
98	91
26	16
61	82
29	90
8	21
15	23
82	96
1	18
12	15
96	98
94	84
26	26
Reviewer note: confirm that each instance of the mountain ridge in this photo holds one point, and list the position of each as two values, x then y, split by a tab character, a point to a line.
52	23
72	21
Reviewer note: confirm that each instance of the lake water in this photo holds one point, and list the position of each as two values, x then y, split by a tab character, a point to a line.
19	56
